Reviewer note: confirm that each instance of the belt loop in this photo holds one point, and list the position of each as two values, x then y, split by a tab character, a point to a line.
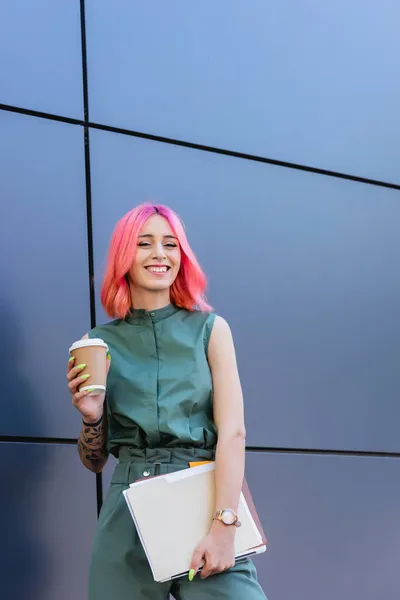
157	468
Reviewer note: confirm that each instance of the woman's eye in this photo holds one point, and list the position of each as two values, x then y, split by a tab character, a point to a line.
147	244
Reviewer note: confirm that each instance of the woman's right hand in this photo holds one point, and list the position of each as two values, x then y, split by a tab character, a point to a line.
90	406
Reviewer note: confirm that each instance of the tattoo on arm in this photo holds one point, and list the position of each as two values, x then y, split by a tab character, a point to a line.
92	442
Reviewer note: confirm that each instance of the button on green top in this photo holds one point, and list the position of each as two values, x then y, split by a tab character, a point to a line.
159	387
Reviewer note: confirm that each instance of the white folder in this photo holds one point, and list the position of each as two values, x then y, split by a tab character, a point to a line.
174	512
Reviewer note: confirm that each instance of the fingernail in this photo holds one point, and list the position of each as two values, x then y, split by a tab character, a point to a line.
81	366
85	376
89	390
191	574
71	359
109	356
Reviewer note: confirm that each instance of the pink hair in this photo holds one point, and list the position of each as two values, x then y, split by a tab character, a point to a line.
188	289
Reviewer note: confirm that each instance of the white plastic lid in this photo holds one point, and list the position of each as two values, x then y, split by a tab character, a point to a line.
88	342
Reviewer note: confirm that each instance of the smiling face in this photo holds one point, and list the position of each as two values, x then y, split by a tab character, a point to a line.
158	257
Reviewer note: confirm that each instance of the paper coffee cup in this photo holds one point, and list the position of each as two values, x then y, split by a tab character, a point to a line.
93	353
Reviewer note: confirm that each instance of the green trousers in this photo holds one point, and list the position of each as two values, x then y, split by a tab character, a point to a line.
119	569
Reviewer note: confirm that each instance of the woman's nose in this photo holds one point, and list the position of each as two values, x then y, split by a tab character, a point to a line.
159	251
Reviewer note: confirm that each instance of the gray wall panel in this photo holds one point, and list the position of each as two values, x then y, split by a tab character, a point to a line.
304	267
41	68
44	272
332	523
310	83
48	516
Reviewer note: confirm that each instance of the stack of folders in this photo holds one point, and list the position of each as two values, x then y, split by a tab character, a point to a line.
174	512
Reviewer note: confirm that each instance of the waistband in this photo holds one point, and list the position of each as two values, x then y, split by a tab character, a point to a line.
164	455
135	463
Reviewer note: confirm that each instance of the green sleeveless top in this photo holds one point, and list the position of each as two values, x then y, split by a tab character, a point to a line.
159	387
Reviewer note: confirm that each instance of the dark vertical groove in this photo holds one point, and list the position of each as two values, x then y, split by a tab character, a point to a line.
84	63
99	492
99	479
89	230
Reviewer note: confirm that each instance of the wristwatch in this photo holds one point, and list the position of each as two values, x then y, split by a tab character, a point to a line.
228	517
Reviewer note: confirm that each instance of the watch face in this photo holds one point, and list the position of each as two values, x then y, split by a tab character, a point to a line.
228	517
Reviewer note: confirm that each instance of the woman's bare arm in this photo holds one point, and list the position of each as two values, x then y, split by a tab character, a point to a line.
228	417
92	444
217	549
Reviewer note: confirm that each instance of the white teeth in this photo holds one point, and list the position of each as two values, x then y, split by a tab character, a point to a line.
157	269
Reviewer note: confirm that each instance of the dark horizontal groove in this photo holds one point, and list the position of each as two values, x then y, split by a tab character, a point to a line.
259	449
193	146
24	439
42	115
319	451
234	154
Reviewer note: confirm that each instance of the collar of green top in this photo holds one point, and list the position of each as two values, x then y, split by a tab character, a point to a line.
139	315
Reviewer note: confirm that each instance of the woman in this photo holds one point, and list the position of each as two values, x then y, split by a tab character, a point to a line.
173	397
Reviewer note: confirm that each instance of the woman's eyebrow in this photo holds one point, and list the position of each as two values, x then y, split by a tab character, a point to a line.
150	235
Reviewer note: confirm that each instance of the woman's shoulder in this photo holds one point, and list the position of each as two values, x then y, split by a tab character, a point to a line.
202	324
210	317
193	317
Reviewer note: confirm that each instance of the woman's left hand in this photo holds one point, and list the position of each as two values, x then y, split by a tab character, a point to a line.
216	551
